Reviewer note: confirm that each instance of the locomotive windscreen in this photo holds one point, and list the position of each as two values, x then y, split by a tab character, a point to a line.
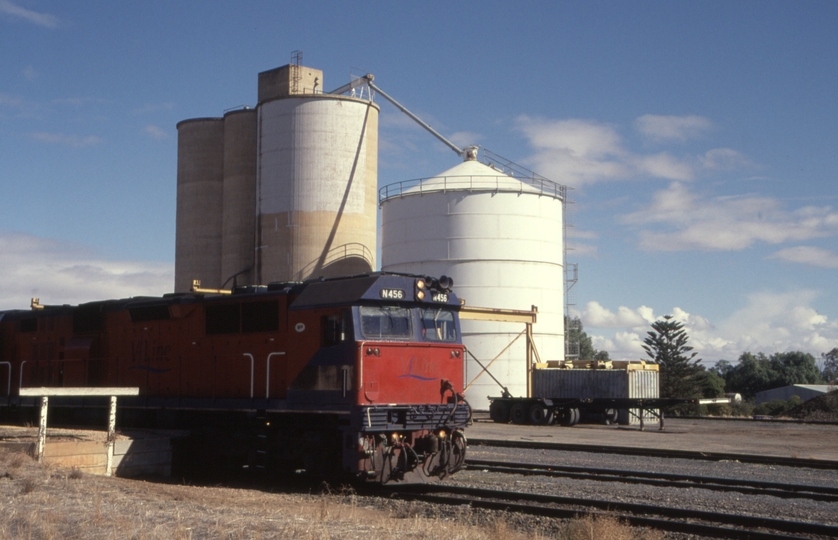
386	322
437	324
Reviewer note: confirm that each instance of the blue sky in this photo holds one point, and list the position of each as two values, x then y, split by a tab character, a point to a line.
699	139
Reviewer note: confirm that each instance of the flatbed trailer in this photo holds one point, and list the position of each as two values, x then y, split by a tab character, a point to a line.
568	411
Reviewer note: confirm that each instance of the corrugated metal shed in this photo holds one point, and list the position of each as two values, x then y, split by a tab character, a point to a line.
803	391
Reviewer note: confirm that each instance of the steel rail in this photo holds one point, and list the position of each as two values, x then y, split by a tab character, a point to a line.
749	487
659	452
713	524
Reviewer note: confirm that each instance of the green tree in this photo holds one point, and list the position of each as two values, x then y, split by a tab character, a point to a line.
667	345
575	333
830	366
601	355
795	367
757	372
721	368
712	385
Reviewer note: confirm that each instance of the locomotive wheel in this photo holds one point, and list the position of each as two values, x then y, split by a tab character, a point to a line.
576	416
499	412
519	413
540	415
610	416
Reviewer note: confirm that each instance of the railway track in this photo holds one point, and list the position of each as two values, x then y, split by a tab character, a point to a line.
696	522
748	487
659	452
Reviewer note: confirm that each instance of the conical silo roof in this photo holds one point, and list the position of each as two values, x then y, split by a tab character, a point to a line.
472	176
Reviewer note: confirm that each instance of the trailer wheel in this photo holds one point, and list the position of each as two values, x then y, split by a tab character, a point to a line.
541	415
568	417
519	413
499	412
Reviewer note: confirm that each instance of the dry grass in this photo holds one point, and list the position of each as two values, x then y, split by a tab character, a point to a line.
605	528
42	502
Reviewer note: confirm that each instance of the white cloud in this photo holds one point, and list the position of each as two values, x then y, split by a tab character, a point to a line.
664	165
769	322
154	107
725	223
774	322
672	128
76	141
41	19
621	346
11	101
724	159
577	152
465	138
808	255
577	248
596	316
79	101
29	73
61	273
156	132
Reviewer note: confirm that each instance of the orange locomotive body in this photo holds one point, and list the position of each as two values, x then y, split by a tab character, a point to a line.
357	376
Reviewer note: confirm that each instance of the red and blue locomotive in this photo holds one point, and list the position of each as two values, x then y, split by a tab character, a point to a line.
357	376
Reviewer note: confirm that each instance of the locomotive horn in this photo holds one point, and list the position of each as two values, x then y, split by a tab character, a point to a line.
446	282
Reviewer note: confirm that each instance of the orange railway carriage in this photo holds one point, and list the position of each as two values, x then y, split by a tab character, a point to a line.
359	375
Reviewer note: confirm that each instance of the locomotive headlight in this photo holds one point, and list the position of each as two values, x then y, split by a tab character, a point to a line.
419	288
442	434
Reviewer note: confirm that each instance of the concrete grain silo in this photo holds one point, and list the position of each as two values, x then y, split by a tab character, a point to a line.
286	191
317	181
500	239
200	187
239	208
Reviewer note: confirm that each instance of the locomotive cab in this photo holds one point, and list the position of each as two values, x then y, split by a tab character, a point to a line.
394	359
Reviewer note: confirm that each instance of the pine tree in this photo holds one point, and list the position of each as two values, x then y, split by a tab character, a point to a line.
667	345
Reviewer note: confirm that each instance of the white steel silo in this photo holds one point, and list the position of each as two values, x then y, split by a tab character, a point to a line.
501	239
316	187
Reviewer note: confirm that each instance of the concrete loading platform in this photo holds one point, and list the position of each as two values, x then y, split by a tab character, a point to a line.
777	438
135	452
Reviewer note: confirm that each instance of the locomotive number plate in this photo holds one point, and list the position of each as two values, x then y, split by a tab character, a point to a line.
392	294
440	297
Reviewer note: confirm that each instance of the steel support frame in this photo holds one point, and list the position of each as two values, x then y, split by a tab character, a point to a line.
528	318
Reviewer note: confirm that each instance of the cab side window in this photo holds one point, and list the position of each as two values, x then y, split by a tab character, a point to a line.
336	328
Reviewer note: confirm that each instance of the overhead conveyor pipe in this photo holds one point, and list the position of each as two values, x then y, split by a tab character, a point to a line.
367	79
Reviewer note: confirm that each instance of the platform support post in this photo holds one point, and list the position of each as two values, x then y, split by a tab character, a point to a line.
111	435
42	428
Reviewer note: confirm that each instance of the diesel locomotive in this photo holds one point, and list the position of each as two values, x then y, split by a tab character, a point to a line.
358	376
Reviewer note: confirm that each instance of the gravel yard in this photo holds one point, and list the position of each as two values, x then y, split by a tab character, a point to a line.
693	497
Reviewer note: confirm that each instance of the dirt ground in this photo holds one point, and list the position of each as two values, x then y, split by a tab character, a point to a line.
43	502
